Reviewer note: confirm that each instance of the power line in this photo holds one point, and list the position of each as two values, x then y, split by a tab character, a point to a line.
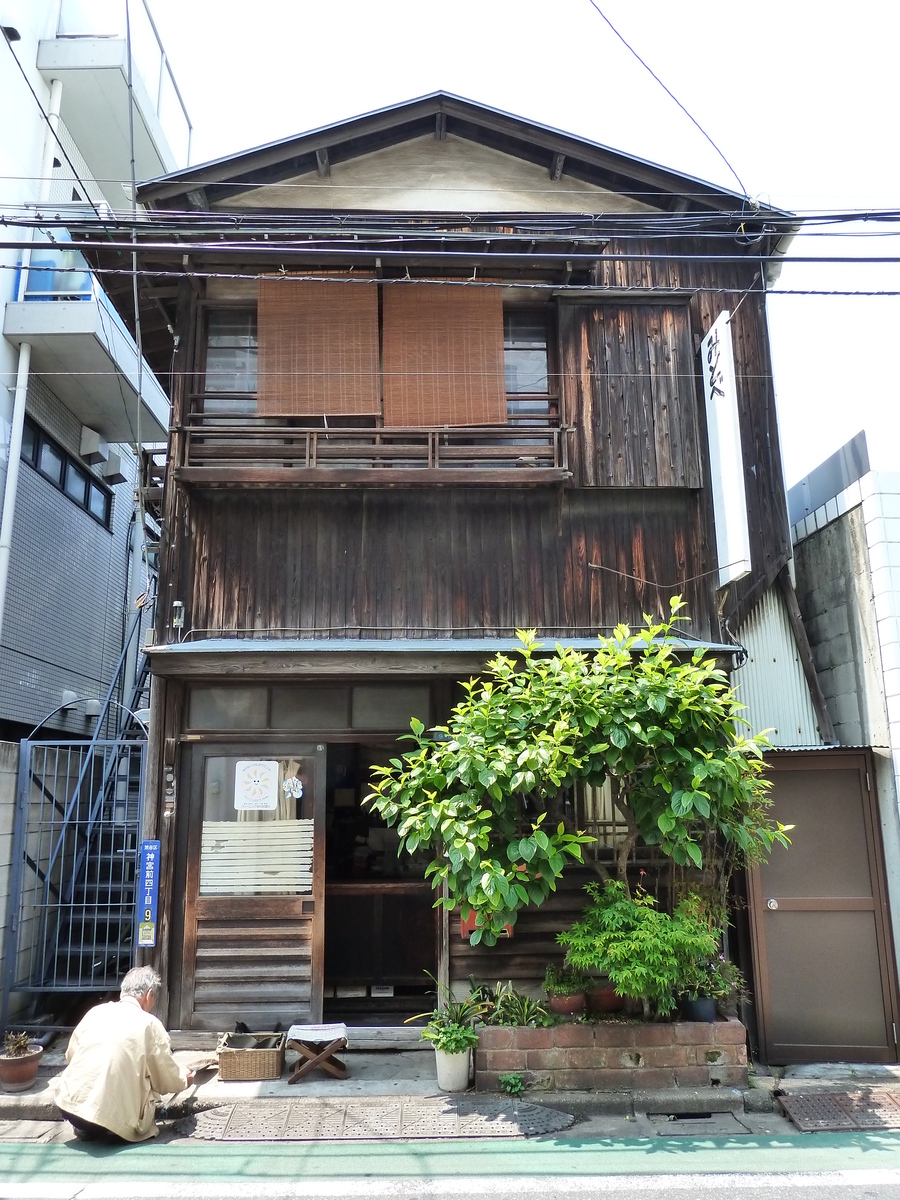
596	292
668	92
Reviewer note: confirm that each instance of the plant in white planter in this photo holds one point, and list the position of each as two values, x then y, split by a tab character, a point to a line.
450	1030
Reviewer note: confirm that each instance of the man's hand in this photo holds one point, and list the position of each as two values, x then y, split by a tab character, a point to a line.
190	1077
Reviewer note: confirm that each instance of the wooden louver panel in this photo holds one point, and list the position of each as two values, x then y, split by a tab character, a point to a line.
631	393
318	348
443	355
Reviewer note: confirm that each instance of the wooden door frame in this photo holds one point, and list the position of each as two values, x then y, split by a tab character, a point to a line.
187	866
864	763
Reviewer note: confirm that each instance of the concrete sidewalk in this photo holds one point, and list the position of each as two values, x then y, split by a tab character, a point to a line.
405	1074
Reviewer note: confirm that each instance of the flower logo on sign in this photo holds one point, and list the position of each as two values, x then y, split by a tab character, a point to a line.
256	785
293	787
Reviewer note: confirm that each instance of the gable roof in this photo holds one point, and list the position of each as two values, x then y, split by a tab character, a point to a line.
441	114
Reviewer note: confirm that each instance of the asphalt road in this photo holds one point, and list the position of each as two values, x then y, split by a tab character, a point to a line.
860	1166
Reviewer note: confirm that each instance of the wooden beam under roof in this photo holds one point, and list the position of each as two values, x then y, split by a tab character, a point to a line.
556	167
323	166
440	126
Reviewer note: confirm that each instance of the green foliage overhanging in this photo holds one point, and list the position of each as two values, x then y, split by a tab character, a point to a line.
487	798
646	953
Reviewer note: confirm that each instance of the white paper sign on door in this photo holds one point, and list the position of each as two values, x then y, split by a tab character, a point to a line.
256	785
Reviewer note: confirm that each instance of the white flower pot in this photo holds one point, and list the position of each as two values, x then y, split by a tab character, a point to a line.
452	1070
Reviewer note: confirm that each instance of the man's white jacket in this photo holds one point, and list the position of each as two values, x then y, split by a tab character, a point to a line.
120	1065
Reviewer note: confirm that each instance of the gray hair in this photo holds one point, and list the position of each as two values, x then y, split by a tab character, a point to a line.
139	981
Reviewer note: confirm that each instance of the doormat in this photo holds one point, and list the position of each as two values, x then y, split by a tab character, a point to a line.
366	1120
832	1112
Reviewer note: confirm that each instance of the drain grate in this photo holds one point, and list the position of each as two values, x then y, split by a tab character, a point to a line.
366	1120
832	1112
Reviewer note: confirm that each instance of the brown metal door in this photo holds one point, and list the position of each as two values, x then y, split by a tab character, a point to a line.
252	948
823	959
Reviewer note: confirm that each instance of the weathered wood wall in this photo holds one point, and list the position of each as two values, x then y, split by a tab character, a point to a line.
716	286
443	562
630	390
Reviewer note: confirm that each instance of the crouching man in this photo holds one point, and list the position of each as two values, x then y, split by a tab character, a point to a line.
120	1065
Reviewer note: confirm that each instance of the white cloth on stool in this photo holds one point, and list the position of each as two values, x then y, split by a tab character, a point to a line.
316	1033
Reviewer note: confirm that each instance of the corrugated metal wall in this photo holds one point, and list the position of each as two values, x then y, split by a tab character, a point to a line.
772	684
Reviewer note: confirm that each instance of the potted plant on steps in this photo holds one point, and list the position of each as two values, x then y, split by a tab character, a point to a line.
565	990
450	1030
19	1062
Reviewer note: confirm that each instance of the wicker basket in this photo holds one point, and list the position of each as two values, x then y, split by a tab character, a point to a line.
250	1062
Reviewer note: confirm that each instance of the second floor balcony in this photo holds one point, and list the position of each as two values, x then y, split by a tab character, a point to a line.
89	55
82	349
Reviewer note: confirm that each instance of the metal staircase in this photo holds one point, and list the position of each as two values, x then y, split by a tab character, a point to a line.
76	846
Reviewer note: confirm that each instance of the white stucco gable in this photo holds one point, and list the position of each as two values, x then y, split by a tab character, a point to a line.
428	175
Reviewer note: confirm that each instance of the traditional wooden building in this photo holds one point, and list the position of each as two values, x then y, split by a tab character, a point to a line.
436	376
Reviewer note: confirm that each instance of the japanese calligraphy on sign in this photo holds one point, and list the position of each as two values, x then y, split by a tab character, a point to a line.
147	893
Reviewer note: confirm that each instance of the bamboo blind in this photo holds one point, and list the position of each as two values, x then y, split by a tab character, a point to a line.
443	356
318	349
264	858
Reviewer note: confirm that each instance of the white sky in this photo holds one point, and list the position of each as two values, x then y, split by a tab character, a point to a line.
801	98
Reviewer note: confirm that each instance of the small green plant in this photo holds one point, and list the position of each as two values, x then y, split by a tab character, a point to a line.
717	978
563	980
647	954
506	1006
449	1025
16	1045
513	1083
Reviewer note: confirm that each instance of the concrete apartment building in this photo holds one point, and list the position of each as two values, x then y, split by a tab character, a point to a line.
76	403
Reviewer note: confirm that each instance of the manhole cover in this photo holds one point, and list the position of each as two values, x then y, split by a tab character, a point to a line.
831	1112
365	1120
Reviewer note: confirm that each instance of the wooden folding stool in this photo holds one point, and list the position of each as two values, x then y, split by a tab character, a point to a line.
317	1045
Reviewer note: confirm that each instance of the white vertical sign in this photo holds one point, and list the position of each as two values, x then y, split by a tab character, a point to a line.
726	462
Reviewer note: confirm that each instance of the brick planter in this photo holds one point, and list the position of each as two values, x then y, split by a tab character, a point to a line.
615	1056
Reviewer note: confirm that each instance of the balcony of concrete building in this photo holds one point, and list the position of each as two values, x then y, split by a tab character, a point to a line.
89	55
81	348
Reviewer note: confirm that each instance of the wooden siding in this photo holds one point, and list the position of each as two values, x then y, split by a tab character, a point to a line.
719	286
456	562
250	959
628	376
523	958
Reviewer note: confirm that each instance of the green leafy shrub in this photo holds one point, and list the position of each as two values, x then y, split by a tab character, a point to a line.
647	954
657	720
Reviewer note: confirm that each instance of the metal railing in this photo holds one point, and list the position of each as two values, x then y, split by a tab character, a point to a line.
107	18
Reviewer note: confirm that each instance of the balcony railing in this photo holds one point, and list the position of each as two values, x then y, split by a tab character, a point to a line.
107	19
249	451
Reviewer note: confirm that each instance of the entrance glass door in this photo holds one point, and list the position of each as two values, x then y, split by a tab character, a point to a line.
254	872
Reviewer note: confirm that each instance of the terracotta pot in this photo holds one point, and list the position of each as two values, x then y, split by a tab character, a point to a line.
566	1006
18	1074
604	999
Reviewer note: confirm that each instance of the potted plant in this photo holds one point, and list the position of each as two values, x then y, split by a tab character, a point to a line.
450	1030
564	986
19	1062
646	953
712	984
602	997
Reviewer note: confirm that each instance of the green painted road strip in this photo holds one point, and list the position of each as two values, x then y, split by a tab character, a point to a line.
451	1158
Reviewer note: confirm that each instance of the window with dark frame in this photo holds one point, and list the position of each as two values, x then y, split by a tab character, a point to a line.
231	358
525	353
230	369
66	474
